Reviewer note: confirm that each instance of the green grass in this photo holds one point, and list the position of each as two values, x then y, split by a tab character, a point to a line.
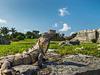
54	45
88	49
16	47
19	47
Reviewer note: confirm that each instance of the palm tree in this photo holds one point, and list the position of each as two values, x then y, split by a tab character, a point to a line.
13	31
4	31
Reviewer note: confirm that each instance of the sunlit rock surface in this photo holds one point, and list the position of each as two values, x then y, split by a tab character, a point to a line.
71	65
63	65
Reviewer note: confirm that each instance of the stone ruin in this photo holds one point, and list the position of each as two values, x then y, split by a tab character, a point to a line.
4	41
88	35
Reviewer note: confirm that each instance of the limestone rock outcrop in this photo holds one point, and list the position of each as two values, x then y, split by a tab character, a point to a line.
71	65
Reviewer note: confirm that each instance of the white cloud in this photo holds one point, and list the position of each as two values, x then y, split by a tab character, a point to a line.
65	27
2	21
72	33
55	25
63	12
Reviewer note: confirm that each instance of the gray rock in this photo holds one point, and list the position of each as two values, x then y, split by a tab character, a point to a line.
65	65
74	65
74	42
26	69
71	42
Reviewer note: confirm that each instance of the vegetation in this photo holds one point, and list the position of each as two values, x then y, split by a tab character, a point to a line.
13	35
23	41
16	47
94	40
86	48
20	46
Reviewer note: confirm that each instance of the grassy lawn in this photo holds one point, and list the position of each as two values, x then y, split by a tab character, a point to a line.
86	48
18	47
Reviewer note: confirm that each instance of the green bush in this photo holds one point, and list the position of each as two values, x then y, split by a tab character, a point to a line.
20	37
94	40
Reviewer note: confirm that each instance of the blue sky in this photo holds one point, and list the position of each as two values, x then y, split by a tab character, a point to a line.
65	16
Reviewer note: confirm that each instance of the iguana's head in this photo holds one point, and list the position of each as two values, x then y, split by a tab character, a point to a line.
48	35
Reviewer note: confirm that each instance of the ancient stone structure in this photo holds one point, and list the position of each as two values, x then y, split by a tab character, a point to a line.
33	55
88	35
57	36
98	35
3	40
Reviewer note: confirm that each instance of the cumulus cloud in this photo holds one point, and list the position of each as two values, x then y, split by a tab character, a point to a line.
2	21
65	27
63	12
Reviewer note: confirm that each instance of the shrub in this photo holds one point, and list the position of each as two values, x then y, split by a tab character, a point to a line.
93	40
20	37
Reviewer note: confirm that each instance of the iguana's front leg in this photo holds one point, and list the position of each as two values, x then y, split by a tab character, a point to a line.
40	60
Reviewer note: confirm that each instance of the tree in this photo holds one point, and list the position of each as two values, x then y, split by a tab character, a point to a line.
36	33
4	31
13	31
19	36
33	34
29	35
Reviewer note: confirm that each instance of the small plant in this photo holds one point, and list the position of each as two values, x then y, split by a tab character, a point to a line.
94	40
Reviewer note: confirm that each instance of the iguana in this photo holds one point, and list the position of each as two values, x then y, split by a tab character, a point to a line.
36	53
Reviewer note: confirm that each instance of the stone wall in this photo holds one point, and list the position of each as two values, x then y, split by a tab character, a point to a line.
98	32
88	35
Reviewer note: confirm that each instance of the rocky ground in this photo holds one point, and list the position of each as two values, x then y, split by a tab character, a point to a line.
64	65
